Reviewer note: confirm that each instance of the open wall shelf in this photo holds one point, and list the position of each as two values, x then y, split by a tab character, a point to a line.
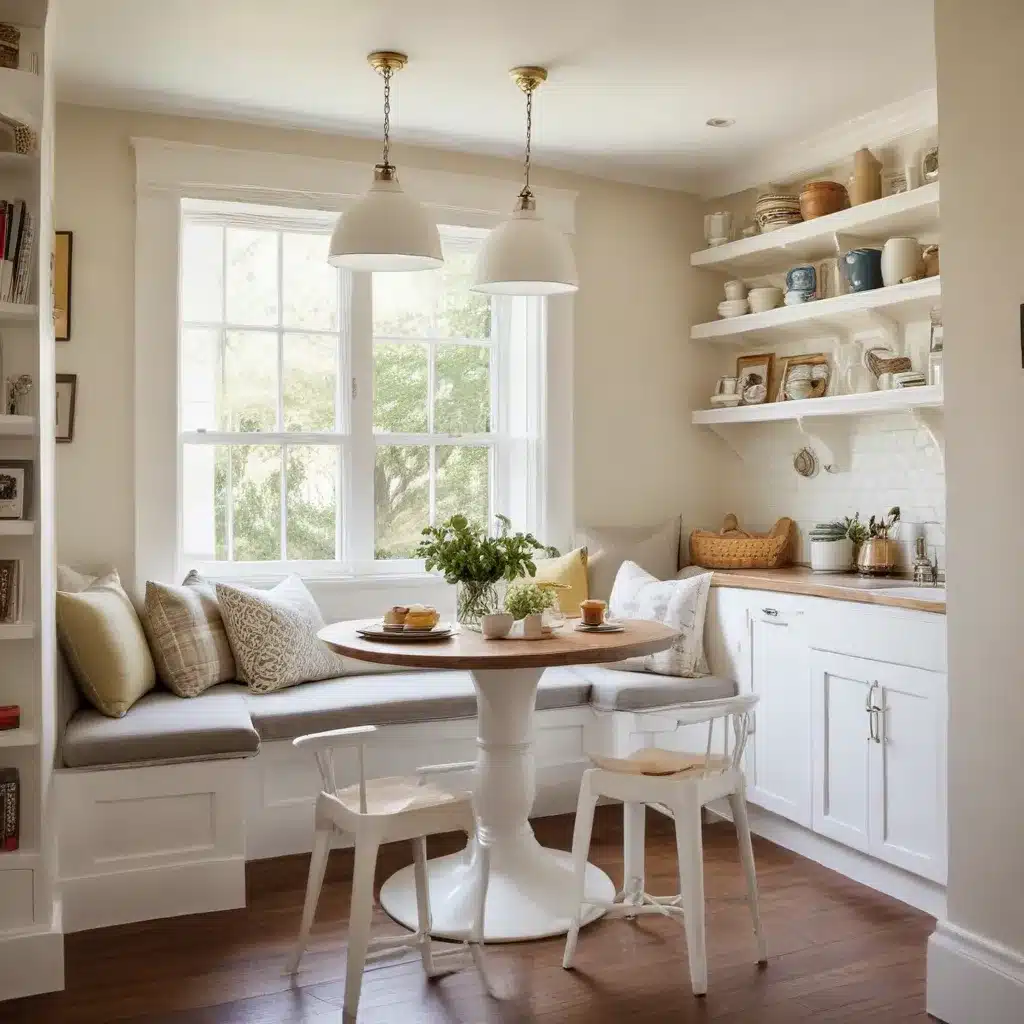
908	213
21	96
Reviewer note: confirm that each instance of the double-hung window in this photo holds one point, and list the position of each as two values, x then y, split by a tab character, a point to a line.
326	417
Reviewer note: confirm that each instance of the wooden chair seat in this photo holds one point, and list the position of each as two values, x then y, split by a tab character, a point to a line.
395	794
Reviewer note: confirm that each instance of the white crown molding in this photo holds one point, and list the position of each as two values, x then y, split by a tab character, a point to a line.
791	160
972	978
213	172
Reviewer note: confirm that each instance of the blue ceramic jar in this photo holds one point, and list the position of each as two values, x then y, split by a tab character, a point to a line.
863	269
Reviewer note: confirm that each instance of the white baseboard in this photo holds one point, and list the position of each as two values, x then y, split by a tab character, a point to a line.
973	980
921	893
32	962
144	894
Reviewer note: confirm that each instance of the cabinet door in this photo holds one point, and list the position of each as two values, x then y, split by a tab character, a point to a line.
726	635
779	767
841	738
909	782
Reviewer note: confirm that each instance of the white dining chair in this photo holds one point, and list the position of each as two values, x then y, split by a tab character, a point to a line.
678	785
385	810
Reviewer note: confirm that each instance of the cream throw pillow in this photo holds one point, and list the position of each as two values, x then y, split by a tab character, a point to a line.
680	604
187	636
570	571
273	635
105	646
654	548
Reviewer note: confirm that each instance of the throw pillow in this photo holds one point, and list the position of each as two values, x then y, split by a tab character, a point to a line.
187	636
569	570
104	645
654	548
71	581
680	604
273	635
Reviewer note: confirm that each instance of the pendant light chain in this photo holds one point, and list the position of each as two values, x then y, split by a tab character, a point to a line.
387	73
526	193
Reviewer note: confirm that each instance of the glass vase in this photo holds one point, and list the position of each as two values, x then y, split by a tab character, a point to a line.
473	601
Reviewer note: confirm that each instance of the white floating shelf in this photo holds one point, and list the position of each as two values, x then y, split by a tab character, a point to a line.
22	426
896	400
908	213
25	858
18	738
17	630
16	162
21	96
17	527
897	303
18	312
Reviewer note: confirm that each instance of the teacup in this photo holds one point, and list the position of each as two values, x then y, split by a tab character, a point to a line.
592	612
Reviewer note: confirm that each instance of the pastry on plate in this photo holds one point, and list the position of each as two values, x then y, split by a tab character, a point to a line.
421	616
396	616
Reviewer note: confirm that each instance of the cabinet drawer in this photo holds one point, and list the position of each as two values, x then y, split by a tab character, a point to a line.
894	635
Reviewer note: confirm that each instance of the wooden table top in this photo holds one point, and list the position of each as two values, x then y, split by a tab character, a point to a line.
469	650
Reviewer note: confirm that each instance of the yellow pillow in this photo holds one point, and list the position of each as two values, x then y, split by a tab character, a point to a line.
105	646
570	571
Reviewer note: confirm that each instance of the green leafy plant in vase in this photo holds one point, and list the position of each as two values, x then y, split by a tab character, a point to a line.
476	562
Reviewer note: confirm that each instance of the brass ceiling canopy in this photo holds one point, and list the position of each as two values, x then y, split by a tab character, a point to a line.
387	60
528	77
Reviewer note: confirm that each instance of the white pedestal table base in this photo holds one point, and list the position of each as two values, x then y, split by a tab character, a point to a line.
530	895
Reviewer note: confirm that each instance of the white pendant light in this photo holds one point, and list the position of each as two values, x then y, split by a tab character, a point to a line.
386	229
525	255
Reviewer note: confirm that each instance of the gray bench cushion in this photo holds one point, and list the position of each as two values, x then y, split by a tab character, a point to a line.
397	698
162	727
615	690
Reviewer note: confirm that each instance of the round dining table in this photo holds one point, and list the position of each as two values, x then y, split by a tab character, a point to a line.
530	895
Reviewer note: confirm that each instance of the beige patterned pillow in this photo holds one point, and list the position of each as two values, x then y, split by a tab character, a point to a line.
187	636
273	635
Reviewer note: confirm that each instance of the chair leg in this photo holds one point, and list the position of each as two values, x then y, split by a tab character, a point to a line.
423	918
634	852
580	849
690	850
738	804
314	883
360	921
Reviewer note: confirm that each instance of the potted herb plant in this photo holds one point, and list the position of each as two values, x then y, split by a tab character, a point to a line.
475	561
529	601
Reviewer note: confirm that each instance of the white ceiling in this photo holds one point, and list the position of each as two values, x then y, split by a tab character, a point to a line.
631	81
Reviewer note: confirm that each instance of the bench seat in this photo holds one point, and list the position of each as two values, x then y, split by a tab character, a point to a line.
228	721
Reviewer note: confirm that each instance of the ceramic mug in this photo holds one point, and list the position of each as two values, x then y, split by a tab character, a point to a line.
735	290
863	269
901	261
727	385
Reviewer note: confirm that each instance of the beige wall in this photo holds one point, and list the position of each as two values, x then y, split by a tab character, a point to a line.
637	458
981	85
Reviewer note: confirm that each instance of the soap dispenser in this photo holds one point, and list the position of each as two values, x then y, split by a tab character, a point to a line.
924	571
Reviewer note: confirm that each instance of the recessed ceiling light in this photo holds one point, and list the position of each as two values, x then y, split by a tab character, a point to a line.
720	122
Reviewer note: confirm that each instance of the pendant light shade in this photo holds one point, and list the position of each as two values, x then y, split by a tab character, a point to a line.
386	229
524	255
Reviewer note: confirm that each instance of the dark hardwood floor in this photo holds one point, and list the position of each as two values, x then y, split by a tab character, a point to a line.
837	952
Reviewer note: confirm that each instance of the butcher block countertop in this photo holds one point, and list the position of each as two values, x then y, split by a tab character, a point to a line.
836	586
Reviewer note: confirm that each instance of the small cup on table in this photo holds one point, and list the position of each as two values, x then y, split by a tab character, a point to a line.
592	612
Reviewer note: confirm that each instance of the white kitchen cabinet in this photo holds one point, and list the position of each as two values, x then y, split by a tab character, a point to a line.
879	747
779	758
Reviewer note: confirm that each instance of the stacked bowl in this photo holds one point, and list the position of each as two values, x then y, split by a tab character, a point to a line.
820	198
775	210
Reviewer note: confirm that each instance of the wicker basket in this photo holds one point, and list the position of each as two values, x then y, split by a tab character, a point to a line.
732	548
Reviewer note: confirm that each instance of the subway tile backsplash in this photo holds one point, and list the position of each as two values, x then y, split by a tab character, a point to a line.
892	462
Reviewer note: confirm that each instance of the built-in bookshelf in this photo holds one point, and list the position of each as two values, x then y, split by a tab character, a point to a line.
31	944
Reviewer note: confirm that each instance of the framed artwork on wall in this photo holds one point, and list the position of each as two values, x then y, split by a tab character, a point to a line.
62	285
67	388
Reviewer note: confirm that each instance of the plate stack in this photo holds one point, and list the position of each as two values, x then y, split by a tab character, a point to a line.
909	379
402	634
776	210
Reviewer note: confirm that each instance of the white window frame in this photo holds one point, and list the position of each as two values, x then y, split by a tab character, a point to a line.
168	173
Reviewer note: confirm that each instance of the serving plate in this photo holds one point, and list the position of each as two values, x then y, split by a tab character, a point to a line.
605	627
442	631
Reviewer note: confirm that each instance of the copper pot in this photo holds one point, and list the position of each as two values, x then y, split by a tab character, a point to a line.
877	556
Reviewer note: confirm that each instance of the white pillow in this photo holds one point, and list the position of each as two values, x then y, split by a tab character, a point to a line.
680	604
273	635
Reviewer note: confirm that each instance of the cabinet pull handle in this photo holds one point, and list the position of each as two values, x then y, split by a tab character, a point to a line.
874	725
770	611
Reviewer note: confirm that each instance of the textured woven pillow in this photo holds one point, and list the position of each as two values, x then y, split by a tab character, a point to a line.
187	636
680	604
104	646
273	635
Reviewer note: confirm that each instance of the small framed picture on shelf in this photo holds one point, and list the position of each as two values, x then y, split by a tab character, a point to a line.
10	590
755	377
15	488
804	376
67	390
62	247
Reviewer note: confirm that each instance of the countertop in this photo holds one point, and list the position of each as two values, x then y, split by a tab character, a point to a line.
837	586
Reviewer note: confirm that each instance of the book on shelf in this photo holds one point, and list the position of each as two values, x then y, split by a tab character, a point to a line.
10	809
17	245
11	589
10	717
